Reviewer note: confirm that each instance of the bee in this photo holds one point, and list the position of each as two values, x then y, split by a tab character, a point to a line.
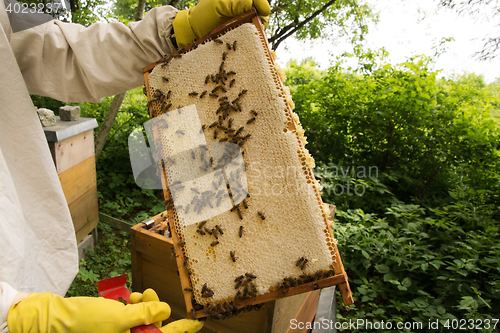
232	254
172	249
244	202
192	154
215	89
204	147
195	190
214	243
203	94
234	45
219	229
213	95
262	216
240	232
223	89
215	123
181	243
211	161
169	94
165	79
230	123
222	98
208	231
254	113
231	83
165	107
243	92
228	46
299	262
250	276
148	104
202	223
214	233
239	131
178	56
239	213
207	293
201	232
221	66
231	73
181	132
218	41
304	263
194	93
185	263
251	120
224	55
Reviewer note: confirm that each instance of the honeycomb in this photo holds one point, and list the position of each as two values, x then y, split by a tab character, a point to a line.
247	207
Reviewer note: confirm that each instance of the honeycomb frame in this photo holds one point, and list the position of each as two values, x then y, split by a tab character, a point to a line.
292	126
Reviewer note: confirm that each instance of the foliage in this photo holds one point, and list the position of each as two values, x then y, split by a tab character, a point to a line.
412	163
315	19
480	9
413	265
111	257
402	119
319	18
118	194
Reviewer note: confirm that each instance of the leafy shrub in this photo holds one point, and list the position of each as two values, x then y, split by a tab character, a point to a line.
111	257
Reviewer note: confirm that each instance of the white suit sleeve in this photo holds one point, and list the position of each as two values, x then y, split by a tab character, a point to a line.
73	63
8	296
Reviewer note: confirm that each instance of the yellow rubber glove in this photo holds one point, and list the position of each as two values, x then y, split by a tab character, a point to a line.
196	22
178	326
49	313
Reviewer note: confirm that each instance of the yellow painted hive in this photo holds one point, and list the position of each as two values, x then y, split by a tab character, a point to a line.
248	212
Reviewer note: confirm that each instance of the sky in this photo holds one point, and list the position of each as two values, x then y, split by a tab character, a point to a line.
407	28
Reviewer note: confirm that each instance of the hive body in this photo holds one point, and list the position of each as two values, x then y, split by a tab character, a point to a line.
285	219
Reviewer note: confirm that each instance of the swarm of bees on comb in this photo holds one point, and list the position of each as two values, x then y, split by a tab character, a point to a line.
275	233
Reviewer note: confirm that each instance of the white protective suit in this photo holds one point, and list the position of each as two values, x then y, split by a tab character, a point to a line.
73	64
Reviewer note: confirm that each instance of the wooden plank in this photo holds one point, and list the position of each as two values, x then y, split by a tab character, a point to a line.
84	208
115	223
136	258
78	179
74	150
307	312
86	229
285	310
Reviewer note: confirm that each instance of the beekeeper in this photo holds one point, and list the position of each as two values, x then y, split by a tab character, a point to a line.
38	254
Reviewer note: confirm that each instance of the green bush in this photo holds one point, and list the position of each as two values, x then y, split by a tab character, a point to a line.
415	128
111	257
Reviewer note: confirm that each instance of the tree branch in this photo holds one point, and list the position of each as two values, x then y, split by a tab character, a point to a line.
103	133
280	37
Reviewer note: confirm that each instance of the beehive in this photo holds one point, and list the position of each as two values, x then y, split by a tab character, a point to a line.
248	220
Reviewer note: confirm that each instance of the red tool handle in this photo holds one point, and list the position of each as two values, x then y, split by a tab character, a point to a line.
116	288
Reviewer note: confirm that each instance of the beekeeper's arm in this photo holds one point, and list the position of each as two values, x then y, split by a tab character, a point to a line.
73	63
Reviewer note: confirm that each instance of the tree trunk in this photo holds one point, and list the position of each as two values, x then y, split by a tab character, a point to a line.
140	10
103	134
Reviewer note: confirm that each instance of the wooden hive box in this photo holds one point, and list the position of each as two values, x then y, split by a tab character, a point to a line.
154	266
71	144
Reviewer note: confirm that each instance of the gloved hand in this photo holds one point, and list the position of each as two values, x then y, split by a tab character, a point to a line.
49	313
178	326
196	22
